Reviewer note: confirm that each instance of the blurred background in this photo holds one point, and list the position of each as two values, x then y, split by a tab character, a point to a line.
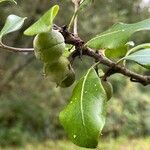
30	104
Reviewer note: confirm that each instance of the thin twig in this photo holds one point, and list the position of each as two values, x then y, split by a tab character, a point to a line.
76	7
14	49
74	19
145	80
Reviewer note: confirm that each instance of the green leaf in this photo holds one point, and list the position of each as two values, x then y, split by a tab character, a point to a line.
134	49
117	36
9	1
141	57
13	23
138	47
84	117
44	24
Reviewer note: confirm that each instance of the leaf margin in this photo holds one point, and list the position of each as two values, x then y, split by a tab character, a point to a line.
51	14
19	21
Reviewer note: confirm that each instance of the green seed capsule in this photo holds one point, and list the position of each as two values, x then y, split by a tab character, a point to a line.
59	71
69	79
49	46
108	89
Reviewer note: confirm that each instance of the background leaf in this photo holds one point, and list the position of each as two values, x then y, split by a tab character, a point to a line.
85	3
141	57
116	37
8	0
13	23
84	117
44	24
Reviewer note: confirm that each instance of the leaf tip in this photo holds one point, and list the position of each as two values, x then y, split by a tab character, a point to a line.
56	7
44	24
55	10
26	32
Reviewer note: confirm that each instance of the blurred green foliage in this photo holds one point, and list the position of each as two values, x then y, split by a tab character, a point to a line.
104	144
30	104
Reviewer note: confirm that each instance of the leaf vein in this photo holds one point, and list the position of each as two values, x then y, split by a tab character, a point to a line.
81	98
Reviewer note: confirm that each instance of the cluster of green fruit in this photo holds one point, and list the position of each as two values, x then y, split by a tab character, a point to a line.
49	48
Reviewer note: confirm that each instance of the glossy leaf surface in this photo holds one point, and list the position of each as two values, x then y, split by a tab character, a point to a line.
117	36
44	24
13	23
141	57
84	117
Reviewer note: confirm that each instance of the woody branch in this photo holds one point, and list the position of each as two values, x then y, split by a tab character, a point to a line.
70	38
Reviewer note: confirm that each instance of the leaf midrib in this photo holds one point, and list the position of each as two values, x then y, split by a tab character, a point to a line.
81	97
105	34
